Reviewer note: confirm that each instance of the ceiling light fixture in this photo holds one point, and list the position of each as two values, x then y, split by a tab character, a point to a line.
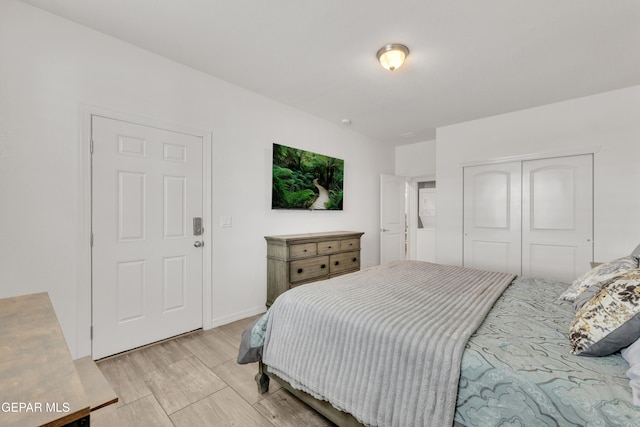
392	55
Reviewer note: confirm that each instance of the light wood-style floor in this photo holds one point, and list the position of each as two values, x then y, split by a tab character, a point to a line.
194	380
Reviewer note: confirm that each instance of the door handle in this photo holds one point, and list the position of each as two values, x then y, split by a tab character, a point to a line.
383	230
198	244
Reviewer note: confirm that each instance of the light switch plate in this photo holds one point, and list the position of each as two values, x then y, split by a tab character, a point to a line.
226	221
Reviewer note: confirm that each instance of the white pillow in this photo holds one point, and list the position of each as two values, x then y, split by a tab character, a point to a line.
632	355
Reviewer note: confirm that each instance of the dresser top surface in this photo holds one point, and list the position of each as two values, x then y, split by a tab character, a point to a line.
327	235
36	368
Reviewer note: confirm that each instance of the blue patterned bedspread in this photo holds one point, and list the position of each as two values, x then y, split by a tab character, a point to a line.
517	369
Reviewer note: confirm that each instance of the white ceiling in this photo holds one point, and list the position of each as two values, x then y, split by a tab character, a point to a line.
469	58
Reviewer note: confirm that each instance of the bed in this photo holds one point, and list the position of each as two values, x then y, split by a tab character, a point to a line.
419	344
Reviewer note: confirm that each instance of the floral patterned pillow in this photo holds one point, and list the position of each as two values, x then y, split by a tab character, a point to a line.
598	275
611	320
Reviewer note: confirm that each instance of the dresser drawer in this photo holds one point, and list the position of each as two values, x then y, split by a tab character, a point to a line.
306	269
303	250
328	247
349	244
344	261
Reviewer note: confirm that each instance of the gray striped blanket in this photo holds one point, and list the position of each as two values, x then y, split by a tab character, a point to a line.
385	343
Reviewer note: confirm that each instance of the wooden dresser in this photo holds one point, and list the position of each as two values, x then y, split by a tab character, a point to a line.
40	383
296	259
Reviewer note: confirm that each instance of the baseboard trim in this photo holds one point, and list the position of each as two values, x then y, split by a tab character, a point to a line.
219	321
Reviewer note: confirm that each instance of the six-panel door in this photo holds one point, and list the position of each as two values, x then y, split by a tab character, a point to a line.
146	271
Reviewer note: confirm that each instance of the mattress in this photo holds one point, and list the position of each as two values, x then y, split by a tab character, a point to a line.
383	344
516	369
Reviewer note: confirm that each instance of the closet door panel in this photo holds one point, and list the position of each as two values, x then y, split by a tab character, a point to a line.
492	220
490	255
552	261
552	198
557	216
491	203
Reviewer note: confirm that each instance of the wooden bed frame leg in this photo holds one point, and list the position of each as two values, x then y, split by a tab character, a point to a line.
262	379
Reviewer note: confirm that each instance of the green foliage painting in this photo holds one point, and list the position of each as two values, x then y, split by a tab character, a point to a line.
306	180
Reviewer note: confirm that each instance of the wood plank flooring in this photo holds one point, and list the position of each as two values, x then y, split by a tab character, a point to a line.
195	380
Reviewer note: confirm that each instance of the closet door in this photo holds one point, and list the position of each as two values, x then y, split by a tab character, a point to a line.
492	221
557	216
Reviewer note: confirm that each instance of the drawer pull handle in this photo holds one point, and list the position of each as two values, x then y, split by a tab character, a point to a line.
304	250
328	247
323	266
336	263
299	271
354	259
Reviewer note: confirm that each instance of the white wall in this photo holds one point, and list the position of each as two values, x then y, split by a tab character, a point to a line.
417	159
608	120
52	69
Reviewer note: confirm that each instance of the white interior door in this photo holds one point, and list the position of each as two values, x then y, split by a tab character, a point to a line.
392	218
146	269
557	211
492	221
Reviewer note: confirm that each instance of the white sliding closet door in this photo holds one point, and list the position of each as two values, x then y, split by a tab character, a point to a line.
532	217
492	223
557	210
